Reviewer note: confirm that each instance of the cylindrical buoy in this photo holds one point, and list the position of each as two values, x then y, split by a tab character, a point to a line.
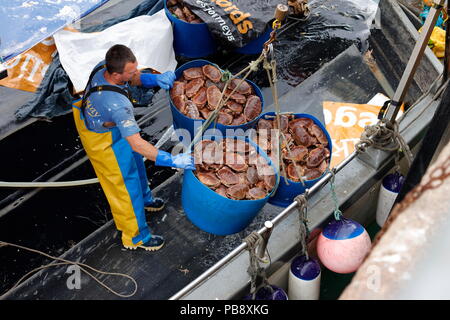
389	190
304	279
343	245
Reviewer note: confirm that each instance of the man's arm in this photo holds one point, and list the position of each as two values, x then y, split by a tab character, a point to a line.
142	147
161	158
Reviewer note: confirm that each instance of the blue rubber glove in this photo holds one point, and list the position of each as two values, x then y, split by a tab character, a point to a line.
182	160
164	80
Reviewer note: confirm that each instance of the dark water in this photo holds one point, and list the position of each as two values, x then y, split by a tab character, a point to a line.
56	219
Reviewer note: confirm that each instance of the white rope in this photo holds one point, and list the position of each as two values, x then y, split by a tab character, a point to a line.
82	266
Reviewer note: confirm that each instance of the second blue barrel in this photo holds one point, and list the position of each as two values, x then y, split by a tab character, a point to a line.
191	40
288	189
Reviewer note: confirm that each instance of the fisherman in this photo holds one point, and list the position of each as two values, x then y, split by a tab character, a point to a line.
110	135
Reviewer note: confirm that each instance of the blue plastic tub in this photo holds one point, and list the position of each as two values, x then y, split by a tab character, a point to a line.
180	121
192	40
214	213
285	193
255	46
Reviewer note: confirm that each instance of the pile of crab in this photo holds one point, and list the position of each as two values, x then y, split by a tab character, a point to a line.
234	169
198	92
182	12
304	146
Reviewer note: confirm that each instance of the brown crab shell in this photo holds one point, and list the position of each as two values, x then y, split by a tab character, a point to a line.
177	89
244	87
222	190
292	174
237	97
191	110
252	175
212	73
256	193
235	107
316	156
235	161
212	153
297	153
302	122
193	86
264	124
315	131
311	174
237	192
224	118
240	119
205	112
180	103
193	73
208	179
252	108
235	145
213	97
301	136
200	97
190	16
227	176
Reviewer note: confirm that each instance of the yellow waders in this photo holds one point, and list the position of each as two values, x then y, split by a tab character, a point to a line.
122	176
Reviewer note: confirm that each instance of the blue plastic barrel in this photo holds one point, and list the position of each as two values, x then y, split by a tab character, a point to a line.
180	121
214	213
255	46
287	192
192	40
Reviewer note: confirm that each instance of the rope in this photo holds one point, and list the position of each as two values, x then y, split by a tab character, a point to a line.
82	266
337	212
384	136
253	240
302	208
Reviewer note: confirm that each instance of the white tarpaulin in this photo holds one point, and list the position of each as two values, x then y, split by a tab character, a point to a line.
149	37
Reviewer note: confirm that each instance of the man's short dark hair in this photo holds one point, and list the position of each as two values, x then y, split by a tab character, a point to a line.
117	57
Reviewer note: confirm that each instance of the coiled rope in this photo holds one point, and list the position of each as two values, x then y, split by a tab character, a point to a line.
82	267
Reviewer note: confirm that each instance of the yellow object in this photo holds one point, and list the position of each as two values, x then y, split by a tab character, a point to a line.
118	172
437	42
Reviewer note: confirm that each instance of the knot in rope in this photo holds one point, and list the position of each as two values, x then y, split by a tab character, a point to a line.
384	136
254	65
226	75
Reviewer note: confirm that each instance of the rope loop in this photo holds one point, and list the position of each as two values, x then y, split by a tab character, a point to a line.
302	206
253	240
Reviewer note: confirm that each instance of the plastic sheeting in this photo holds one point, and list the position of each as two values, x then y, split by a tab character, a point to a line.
53	97
25	23
149	37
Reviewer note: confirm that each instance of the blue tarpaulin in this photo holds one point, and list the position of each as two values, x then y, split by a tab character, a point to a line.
24	23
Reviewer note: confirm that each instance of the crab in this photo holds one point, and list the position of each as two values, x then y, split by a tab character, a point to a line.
182	12
224	166
304	146
205	88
